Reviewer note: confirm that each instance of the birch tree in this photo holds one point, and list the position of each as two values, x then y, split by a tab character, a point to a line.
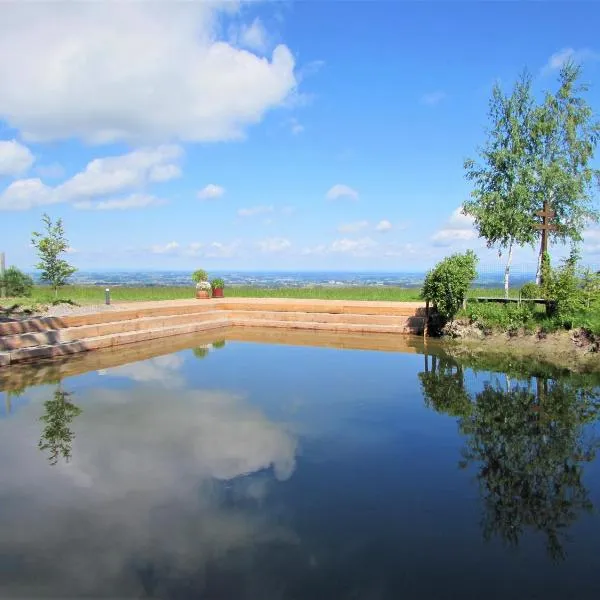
502	202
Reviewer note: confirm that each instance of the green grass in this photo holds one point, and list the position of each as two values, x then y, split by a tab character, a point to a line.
88	294
531	317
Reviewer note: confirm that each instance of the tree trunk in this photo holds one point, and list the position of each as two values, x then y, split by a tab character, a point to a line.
56	292
507	269
538	272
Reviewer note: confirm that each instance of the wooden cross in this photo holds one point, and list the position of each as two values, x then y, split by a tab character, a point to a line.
545	226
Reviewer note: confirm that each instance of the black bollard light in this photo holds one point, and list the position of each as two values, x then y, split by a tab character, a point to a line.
107	296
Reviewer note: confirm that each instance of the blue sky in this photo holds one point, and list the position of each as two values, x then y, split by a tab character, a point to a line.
306	135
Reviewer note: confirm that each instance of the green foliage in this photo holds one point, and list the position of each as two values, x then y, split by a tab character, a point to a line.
201	351
564	288
17	283
217	284
50	245
505	317
218	344
590	284
564	135
531	290
446	285
502	199
199	275
57	437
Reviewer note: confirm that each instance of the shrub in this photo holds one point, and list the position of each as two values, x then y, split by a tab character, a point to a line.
531	290
217	284
17	283
199	275
446	285
507	317
564	288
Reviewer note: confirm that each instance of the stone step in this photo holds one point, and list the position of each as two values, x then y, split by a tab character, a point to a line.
109	340
324	317
40	324
324	306
72	334
414	326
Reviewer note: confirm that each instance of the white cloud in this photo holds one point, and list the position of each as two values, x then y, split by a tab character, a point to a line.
126	203
558	59
341	190
15	159
254	211
360	247
210	192
101	177
591	238
220	250
383	226
353	227
288	210
254	36
26	193
274	245
458	228
133	71
433	98
169	248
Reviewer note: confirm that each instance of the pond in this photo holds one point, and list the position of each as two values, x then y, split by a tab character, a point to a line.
246	470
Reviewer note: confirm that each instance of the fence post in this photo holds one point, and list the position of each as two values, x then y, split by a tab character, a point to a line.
2	271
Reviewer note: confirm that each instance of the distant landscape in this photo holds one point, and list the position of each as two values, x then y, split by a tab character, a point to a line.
277	279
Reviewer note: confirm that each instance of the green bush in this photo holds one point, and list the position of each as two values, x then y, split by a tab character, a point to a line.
217	284
199	275
507	317
17	283
564	288
531	290
446	285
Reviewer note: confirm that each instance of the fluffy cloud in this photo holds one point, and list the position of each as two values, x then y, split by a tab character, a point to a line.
433	98
255	211
274	245
458	228
360	247
353	227
134	71
15	158
126	203
101	177
169	248
341	190
155	495
205	250
383	226
296	126
210	192
558	59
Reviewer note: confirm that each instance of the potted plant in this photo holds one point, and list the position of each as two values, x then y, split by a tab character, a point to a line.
217	286
202	284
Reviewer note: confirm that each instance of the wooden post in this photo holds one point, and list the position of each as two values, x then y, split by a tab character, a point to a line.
2	271
426	327
545	227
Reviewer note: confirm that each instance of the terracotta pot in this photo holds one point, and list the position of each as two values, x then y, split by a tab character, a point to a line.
218	293
202	294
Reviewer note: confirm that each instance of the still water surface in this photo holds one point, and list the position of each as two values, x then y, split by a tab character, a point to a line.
257	471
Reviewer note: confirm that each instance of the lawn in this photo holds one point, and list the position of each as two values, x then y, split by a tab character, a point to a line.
88	294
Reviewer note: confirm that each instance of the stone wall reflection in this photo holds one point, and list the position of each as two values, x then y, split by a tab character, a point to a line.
528	442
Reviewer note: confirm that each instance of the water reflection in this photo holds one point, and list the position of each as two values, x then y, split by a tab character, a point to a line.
57	436
528	443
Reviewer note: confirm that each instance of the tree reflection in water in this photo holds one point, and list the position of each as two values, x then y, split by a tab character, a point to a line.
528	444
57	437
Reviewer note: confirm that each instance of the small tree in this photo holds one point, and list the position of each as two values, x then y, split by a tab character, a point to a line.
446	285
502	202
50	245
